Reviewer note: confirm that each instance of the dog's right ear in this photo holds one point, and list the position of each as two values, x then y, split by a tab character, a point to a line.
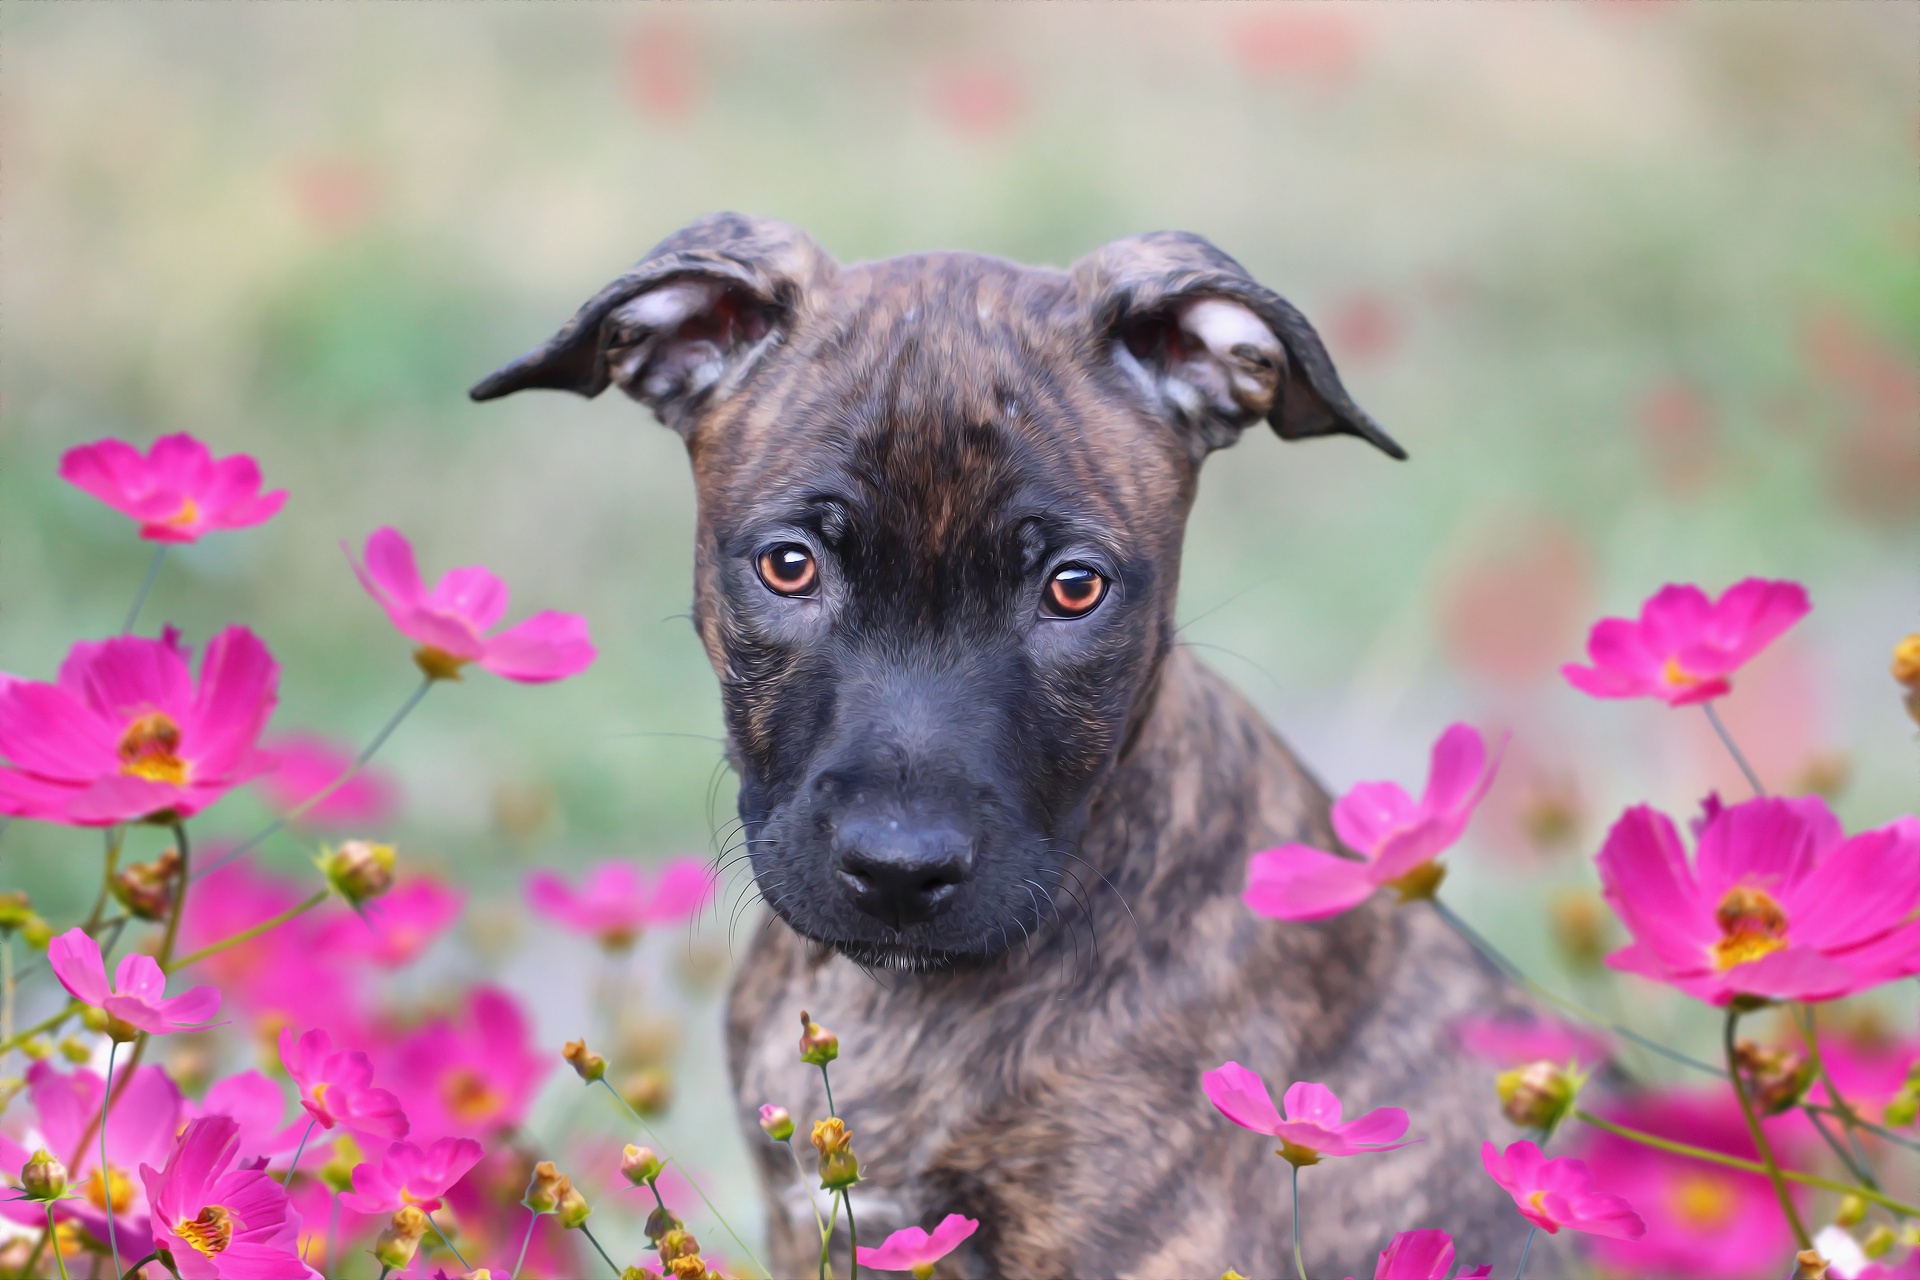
688	322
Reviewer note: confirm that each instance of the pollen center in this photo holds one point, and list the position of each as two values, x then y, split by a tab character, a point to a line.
211	1231
1752	925
122	1187
150	748
1677	675
188	513
470	1099
1703	1202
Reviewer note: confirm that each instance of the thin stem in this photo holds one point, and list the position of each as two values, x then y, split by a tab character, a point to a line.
829	1084
146	588
20	1037
383	1272
172	934
1865	1125
248	935
54	1236
115	837
818	1221
1299	1267
6	986
614	1266
1525	1249
288	1180
533	1216
106	1175
1753	779
826	1237
853	1232
1760	1142
333	1226
464	1266
1858	1165
132	1272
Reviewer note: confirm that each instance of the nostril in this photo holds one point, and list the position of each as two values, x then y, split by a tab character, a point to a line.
898	872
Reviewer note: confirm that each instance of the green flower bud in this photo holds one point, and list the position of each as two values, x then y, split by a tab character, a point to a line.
839	1168
776	1122
549	1184
639	1165
573	1208
43	1177
398	1243
586	1064
1538	1095
661	1221
359	870
818	1046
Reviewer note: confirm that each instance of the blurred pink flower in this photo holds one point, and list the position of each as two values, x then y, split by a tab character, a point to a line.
1314	45
1552	1194
177	491
980	99
1395	835
138	995
448	620
336	1087
1683	647
1512	1040
617	902
407	1175
1868	1067
218	1222
915	1249
259	1107
394	928
1422	1255
304	764
664	76
474	1076
1780	904
125	735
1312	1127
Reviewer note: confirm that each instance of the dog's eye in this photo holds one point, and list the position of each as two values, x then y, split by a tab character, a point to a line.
788	569
1073	591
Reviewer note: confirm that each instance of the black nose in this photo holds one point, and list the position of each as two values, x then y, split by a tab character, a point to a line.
899	872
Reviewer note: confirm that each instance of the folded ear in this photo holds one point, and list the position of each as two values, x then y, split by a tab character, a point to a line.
688	321
1211	345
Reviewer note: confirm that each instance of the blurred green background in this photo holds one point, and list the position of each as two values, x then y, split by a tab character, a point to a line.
1636	283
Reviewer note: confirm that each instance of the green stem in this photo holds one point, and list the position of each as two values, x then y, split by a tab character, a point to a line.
1753	779
1525	1249
249	934
146	589
818	1221
829	1085
46	1024
456	1253
1857	1165
172	934
826	1237
106	1175
115	837
6	986
297	1151
533	1216
853	1232
132	1272
1760	1142
1299	1267
54	1236
614	1266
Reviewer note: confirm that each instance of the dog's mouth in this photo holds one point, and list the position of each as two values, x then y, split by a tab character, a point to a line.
903	957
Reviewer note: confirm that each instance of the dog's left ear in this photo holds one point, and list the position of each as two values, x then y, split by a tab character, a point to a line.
1214	347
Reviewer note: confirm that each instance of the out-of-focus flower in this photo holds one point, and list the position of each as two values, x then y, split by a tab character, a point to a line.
1775	1077
1513	1040
336	1087
145	889
1906	669
473	1075
980	100
406	1175
400	1239
305	764
1579	927
1538	1095
218	1222
916	1249
1312	1127
177	491
776	1122
125	735
619	901
1553	1194
259	1107
137	999
839	1167
359	869
818	1046
586	1064
395	928
447	621
1876	1072
1421	1255
1683	647
1398	838
1319	46
1780	903
573	1209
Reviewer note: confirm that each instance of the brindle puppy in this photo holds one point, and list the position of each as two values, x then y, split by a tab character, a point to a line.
1001	819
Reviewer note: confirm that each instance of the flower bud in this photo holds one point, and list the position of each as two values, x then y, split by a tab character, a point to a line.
1851	1211
359	870
337	1172
586	1064
15	910
1879	1242
396	1246
1809	1265
1903	1110
145	889
661	1221
36	1048
776	1123
639	1273
1536	1096
1906	661
1579	928
1775	1078
106	1024
691	1267
818	1046
639	1165
839	1168
36	933
678	1243
76	1050
548	1185
648	1090
43	1177
573	1208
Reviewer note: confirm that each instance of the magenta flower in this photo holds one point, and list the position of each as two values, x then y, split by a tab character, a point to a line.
259	1107
1422	1255
447	621
137	996
407	1175
217	1222
178	491
305	764
1312	1127
394	928
125	735
336	1087
1552	1194
473	1076
1683	647
916	1249
1506	1040
1397	837
1779	903
618	902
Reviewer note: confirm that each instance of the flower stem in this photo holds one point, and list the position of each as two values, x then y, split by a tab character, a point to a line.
612	1265
1753	779
54	1236
288	1180
1760	1142
853	1232
533	1216
132	1272
6	987
115	837
456	1253
1525	1249
172	933
146	588
1299	1267
829	1086
801	1172
826	1237
20	1037
1858	1165
249	934
106	1176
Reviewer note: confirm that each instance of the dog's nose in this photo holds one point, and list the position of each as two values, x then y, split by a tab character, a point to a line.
901	873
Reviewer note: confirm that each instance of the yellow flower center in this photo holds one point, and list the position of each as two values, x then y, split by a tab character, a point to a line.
122	1189
1677	675
1751	925
438	664
1538	1201
189	512
469	1098
1703	1201
211	1231
150	749
1295	1154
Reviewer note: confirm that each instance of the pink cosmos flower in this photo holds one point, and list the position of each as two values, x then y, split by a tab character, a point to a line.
336	1087
218	1222
305	764
125	735
1422	1255
617	902
178	491
1867	1065
916	1249
1395	835
1312	1127
448	620
1506	1040
1683	646
257	1105
393	929
1779	903
1552	1194
472	1076
137	997
407	1175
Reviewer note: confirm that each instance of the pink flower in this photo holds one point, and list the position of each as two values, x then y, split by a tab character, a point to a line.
1396	837
447	621
1552	1194
473	1076
305	764
1683	646
336	1087
916	1249
178	491
1312	1127
258	1106
1422	1255
617	902
137	997
218	1222
1780	903
125	735
1506	1040
407	1175
393	929
1867	1066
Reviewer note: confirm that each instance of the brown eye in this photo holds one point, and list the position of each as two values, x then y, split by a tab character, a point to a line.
788	569
1074	590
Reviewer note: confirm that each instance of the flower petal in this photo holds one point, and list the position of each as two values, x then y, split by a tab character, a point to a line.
1296	882
548	646
1242	1097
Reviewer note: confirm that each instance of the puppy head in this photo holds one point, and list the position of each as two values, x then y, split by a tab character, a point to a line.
941	502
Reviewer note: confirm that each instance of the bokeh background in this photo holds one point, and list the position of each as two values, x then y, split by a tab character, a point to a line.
1634	282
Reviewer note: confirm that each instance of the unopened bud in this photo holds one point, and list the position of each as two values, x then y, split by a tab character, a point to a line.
43	1177
691	1267
359	870
1775	1078
776	1122
1851	1210
115	1029
639	1273
1879	1242
74	1049
1906	661
639	1165
678	1243
1536	1096
1809	1265
145	889
1579	928
573	1208
839	1168
1903	1109
661	1221
543	1194
396	1246
15	910
37	1048
586	1064
36	933
648	1090
337	1172
818	1046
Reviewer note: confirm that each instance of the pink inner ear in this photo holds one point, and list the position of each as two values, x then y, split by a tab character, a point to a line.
1221	325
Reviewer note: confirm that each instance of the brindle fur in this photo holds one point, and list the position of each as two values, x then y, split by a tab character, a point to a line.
1045	1081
